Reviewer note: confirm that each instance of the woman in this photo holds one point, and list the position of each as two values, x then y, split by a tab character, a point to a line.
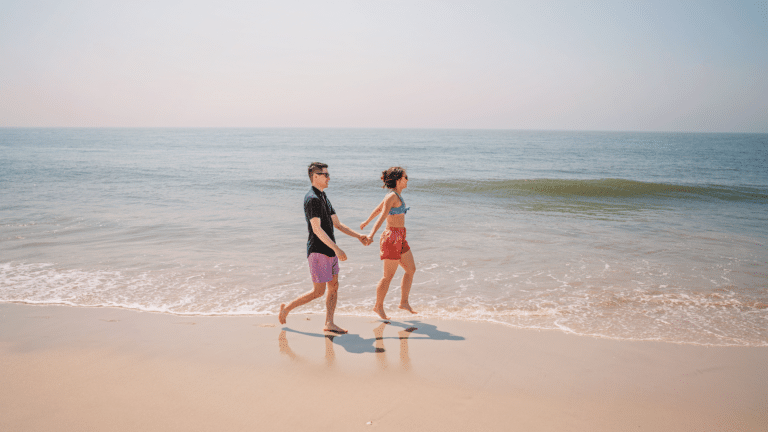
394	248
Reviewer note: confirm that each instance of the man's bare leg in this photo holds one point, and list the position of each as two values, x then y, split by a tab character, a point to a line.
317	291
390	267
330	306
406	262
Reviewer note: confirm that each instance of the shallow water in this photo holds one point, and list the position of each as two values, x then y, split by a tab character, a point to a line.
647	236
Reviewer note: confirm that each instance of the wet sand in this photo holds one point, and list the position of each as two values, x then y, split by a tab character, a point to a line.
75	369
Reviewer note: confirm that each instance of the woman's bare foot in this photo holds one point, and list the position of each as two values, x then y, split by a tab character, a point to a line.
334	328
407	307
283	314
380	312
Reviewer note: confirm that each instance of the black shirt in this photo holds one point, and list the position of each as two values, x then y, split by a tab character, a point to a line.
316	205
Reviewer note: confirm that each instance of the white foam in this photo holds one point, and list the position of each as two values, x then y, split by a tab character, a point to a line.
576	303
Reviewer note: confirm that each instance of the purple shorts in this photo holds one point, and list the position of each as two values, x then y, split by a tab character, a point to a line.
322	267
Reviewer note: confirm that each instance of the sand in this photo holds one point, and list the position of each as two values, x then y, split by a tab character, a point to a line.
104	369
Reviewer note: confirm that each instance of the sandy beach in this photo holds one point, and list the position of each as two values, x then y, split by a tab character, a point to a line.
580	218
76	369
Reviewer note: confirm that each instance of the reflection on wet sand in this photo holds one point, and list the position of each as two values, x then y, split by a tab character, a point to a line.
381	356
405	359
285	349
330	354
354	343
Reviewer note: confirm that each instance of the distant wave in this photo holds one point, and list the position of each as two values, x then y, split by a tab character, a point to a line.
602	188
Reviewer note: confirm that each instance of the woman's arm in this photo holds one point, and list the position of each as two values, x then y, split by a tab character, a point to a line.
348	231
385	206
370	218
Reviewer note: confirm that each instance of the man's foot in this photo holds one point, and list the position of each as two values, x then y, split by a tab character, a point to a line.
334	328
407	307
283	314
380	312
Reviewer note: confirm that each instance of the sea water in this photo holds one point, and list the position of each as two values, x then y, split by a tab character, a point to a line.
639	236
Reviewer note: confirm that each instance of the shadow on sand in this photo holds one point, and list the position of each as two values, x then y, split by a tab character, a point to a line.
356	344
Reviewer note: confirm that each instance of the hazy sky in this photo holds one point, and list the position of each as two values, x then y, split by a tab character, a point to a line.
583	65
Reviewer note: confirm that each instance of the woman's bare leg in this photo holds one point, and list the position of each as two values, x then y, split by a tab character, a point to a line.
406	262
390	267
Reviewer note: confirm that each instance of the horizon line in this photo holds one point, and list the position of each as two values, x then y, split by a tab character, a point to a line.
388	128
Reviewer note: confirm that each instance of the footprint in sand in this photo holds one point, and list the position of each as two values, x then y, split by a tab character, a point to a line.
265	325
106	320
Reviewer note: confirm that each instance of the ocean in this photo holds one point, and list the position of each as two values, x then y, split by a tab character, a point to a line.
624	235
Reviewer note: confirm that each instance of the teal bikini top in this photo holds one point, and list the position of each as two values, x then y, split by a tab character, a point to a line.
399	210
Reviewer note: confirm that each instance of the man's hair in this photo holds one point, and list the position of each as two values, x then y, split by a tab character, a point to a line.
391	176
315	167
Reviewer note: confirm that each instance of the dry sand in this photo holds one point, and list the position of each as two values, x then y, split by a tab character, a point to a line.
102	369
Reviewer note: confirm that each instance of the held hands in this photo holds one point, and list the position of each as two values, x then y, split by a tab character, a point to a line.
364	240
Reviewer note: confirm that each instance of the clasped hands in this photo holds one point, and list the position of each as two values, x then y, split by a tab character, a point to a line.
365	240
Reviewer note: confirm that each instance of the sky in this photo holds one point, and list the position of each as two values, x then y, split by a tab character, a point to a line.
695	66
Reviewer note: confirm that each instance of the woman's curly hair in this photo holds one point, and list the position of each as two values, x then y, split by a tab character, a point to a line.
391	176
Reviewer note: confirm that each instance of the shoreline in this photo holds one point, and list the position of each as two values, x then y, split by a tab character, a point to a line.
396	315
75	368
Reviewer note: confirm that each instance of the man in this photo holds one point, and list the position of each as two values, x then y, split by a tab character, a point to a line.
322	252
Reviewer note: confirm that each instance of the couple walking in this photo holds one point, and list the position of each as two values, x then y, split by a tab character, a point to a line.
324	255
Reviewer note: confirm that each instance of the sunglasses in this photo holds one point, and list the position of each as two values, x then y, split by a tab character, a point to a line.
324	174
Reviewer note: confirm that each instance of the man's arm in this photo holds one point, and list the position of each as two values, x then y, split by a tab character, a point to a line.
318	230
348	231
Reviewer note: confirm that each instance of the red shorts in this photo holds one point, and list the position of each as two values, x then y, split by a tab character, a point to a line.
393	243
